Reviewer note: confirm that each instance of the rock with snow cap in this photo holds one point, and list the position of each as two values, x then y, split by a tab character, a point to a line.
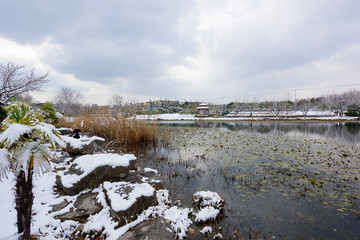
65	131
210	206
146	175
83	145
208	198
85	205
89	171
128	199
157	228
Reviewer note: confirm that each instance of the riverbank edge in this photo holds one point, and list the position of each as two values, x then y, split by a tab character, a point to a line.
355	120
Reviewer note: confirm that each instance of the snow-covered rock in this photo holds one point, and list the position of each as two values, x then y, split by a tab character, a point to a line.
85	205
210	205
89	171
208	198
128	199
156	228
83	145
64	131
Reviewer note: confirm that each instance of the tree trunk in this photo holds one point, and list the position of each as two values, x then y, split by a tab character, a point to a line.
24	201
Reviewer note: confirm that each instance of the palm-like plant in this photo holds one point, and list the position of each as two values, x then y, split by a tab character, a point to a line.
27	144
49	113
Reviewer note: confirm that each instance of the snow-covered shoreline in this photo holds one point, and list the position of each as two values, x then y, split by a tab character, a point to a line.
311	116
51	206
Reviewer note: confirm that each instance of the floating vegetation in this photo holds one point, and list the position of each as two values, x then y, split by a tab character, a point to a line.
286	186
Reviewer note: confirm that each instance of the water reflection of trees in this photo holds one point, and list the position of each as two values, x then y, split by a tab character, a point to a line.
346	132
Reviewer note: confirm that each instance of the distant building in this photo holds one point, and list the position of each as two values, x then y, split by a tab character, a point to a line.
203	110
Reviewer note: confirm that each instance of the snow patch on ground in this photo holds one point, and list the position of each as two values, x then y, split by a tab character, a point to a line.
46	226
44	223
150	170
206	230
169	116
179	219
7	207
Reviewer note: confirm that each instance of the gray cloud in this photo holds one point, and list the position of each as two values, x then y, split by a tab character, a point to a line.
191	49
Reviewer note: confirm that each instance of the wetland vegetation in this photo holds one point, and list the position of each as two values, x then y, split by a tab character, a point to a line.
290	180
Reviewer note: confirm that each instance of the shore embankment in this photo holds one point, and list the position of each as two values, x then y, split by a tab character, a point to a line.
297	117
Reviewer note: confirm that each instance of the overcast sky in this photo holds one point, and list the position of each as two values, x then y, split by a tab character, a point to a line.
210	50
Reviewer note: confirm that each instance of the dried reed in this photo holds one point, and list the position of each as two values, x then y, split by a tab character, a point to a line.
116	129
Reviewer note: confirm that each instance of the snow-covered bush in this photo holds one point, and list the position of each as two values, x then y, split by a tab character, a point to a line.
28	140
29	143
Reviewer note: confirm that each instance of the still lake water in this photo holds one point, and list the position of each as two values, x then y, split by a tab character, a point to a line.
289	180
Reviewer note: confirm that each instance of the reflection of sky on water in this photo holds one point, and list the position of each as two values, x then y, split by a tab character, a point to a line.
344	132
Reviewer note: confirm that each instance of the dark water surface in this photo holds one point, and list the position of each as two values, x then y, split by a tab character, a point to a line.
290	180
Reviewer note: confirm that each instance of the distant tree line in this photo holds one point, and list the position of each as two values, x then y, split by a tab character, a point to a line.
347	103
16	84
69	103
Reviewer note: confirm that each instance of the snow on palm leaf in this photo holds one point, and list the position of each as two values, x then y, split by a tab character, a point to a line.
49	132
27	139
33	155
13	133
4	162
27	146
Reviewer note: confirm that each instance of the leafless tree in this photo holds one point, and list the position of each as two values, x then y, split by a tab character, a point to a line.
304	105
14	81
116	102
26	97
338	102
352	97
278	106
68	101
251	106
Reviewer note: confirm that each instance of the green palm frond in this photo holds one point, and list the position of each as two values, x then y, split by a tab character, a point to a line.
21	112
27	139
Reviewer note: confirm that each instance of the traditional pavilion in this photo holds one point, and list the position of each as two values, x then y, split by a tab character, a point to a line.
203	110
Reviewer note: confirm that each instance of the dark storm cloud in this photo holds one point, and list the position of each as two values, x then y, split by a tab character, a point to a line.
100	39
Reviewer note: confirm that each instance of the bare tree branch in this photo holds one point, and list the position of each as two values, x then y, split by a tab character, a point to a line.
116	102
68	101
14	81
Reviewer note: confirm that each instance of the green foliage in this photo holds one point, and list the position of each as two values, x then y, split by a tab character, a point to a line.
230	105
189	107
27	139
21	113
353	111
49	113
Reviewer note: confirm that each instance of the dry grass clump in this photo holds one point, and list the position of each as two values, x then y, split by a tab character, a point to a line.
116	129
